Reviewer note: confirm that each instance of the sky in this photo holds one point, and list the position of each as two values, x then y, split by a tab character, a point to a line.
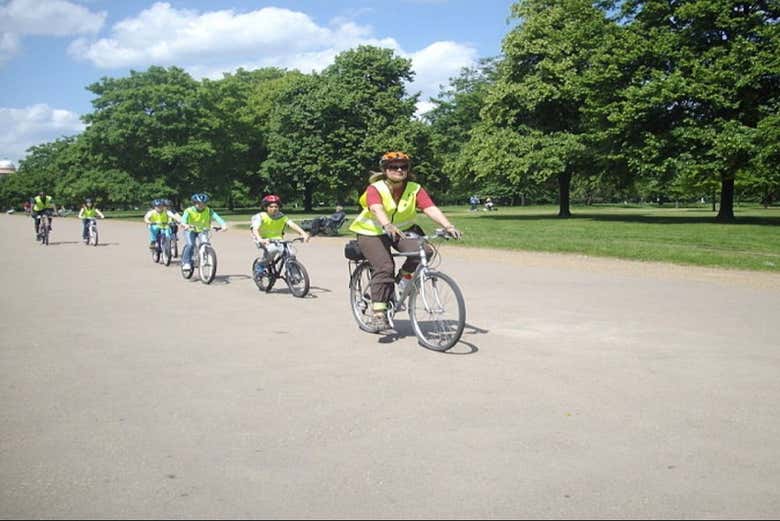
51	50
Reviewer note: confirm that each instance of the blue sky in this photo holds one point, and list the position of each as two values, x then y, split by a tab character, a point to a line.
50	50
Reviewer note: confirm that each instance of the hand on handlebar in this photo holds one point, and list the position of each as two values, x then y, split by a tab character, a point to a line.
392	231
454	233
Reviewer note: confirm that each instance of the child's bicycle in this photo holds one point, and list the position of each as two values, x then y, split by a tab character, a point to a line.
285	266
174	240
44	228
92	233
204	258
435	303
162	249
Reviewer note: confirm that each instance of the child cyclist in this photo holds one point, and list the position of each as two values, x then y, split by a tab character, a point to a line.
270	224
87	214
159	221
194	220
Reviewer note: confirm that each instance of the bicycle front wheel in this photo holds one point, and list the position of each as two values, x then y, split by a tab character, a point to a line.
94	235
437	311
297	278
166	251
360	296
208	265
175	248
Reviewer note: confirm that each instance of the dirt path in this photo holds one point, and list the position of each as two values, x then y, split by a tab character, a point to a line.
582	388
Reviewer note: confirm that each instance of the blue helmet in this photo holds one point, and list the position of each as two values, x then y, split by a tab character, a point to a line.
200	198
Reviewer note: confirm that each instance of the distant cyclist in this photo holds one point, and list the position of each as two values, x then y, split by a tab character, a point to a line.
390	205
87	214
158	219
173	213
270	224
194	220
42	204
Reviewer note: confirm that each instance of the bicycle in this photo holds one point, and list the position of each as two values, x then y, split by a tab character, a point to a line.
162	248
285	266
92	233
435	303
204	258
44	229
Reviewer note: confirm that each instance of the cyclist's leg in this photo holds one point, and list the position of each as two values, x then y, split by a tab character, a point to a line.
154	231
376	249
36	220
85	229
186	255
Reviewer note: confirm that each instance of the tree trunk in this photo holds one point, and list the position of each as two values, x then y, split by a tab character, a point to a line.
726	212
308	196
564	187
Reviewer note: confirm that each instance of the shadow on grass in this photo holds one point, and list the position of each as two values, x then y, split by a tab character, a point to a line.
645	219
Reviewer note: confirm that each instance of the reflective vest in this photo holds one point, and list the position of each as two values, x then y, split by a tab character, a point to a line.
40	205
271	228
160	219
89	213
402	214
198	220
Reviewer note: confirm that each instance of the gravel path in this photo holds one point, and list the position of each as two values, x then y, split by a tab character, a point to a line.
583	388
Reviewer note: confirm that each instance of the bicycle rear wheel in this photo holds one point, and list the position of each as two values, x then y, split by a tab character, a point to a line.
360	296
437	311
297	278
207	267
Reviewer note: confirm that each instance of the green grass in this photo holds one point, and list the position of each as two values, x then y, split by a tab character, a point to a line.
682	236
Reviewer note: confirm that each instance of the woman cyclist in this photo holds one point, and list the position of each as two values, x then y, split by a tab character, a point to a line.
390	205
270	224
194	220
87	214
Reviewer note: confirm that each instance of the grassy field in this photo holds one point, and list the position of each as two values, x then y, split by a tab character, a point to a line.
681	236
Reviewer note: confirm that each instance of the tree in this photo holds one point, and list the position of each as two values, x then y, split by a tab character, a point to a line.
541	92
328	130
706	76
152	126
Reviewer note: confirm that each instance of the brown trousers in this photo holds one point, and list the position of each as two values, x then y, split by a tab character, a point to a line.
376	249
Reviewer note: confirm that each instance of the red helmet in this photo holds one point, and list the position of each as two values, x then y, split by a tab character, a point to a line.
269	199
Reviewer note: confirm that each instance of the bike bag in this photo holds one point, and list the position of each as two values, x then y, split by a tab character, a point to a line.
352	251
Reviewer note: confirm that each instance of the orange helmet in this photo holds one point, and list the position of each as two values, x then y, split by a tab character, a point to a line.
394	156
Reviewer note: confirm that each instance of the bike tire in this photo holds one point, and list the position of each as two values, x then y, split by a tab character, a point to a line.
175	248
297	278
94	235
45	240
264	280
156	254
437	311
360	296
166	251
207	267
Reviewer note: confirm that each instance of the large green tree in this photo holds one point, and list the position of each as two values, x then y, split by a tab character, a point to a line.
153	126
535	110
328	130
706	75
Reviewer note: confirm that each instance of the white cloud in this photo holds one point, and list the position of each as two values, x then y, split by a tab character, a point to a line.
209	44
435	65
34	125
19	18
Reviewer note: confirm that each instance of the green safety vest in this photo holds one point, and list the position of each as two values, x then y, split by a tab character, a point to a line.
40	205
272	228
160	219
402	215
198	220
89	213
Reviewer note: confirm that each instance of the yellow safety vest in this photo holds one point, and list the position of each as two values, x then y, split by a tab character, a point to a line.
200	221
271	228
161	219
402	215
40	205
89	213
